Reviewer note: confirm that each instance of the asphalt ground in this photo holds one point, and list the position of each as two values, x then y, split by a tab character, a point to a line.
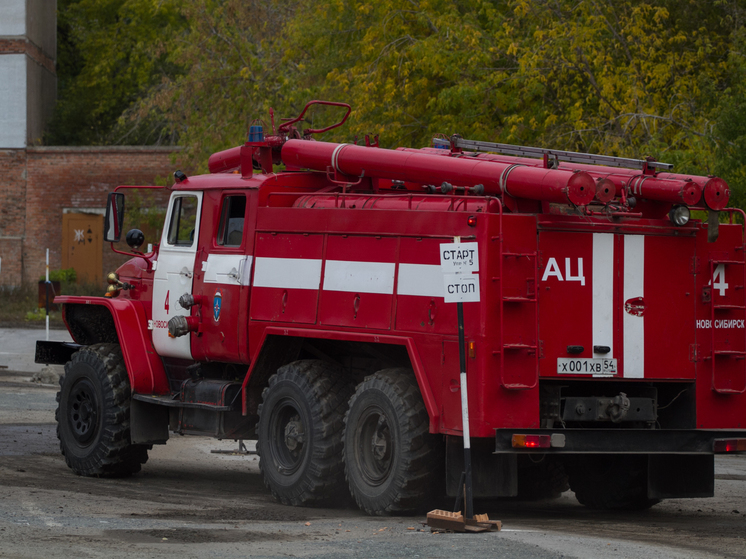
17	348
191	502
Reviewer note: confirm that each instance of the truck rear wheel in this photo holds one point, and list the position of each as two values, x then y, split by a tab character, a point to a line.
93	407
300	433
610	481
392	462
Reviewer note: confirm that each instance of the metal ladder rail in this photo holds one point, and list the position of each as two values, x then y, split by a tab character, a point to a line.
713	308
556	154
519	300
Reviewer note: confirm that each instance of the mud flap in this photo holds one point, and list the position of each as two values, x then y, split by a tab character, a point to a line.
493	475
148	423
679	476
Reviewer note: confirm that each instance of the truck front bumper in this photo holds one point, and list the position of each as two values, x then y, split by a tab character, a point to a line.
54	353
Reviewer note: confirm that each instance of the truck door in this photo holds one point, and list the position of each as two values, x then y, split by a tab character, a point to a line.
222	277
175	271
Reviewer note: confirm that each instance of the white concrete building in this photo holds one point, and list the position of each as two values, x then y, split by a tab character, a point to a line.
28	81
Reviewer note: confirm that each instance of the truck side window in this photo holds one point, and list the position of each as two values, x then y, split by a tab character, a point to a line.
230	232
183	221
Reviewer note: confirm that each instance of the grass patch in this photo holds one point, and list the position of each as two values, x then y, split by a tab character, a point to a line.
19	306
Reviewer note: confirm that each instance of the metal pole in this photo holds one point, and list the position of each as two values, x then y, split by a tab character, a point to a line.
465	413
46	290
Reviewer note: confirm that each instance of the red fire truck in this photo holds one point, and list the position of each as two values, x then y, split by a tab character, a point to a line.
305	306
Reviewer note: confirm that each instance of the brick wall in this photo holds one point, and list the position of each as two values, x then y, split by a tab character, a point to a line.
12	215
12	192
37	184
11	261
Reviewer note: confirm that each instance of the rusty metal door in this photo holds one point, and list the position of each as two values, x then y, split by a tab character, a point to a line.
82	245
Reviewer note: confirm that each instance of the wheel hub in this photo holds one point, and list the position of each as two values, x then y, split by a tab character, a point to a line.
83	411
376	447
294	434
380	442
287	437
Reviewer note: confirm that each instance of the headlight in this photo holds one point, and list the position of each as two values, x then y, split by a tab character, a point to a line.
679	215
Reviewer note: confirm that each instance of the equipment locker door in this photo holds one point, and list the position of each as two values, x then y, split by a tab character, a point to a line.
358	283
420	303
175	270
616	305
287	274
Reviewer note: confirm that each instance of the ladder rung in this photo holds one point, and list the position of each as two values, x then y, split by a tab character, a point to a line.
741	262
519	346
724	307
519	300
729	352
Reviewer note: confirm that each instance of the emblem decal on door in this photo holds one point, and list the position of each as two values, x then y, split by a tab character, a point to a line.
217	302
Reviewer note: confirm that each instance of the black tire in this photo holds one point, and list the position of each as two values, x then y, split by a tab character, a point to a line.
392	463
541	477
610	482
93	410
300	433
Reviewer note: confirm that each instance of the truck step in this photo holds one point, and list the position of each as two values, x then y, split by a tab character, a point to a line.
169	401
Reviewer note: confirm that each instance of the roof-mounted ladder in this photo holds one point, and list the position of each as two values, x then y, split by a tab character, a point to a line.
551	154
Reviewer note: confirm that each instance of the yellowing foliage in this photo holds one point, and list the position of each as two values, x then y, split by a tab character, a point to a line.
628	77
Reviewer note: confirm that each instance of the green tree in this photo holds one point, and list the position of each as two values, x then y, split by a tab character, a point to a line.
603	74
235	72
628	77
112	53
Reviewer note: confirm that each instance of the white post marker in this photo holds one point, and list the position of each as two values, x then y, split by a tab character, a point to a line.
46	287
460	265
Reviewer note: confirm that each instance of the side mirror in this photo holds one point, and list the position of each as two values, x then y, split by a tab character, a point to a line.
114	217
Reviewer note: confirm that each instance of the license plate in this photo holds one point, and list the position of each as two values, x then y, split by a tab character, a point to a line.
596	366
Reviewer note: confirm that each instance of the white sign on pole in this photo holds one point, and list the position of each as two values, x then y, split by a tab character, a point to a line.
461	288
458	261
459	258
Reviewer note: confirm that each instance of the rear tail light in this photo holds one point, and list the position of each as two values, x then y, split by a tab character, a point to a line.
728	445
532	441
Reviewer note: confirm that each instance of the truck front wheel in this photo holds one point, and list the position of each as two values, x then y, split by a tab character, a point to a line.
300	433
392	462
93	407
